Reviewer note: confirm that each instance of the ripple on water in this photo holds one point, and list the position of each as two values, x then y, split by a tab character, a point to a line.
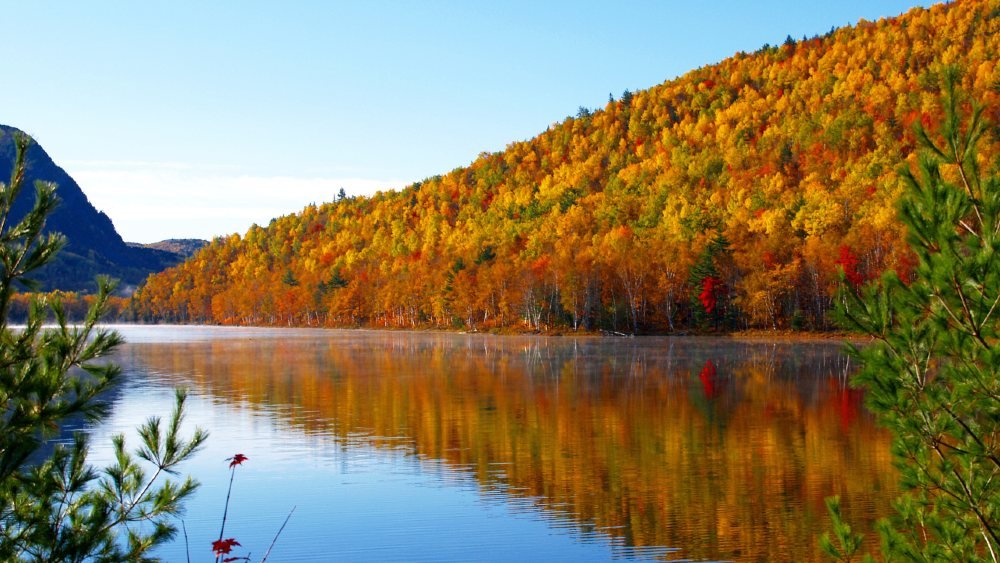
412	447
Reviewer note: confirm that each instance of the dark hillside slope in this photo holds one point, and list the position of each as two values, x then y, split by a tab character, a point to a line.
93	245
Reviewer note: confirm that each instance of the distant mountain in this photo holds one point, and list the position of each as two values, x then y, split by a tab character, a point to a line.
93	247
182	247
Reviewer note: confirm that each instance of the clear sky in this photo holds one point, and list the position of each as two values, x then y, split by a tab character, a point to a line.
196	119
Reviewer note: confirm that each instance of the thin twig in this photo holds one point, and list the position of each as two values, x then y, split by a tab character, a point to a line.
984	522
225	511
968	312
958	322
968	189
995	302
187	547
275	540
965	226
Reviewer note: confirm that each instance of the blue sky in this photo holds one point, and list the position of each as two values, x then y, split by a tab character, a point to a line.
184	119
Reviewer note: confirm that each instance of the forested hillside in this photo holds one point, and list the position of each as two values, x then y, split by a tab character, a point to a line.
730	197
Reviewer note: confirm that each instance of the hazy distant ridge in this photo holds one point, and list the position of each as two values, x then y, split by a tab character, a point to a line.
181	246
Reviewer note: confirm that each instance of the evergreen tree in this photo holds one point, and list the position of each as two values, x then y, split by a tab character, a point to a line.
626	98
59	508
708	290
931	373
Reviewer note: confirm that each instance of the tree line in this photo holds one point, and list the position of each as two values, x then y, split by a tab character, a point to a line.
732	197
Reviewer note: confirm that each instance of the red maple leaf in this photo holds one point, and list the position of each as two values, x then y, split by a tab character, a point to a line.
237	459
223	547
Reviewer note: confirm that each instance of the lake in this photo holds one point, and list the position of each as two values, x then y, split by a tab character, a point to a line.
454	447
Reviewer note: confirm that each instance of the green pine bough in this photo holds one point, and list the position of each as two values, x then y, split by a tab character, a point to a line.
931	373
56	506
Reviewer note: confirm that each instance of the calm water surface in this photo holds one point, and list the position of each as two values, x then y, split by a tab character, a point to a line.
445	447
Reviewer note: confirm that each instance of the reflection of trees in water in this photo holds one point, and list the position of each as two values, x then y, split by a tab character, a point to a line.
622	435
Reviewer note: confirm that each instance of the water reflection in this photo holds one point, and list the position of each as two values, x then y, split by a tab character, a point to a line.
667	448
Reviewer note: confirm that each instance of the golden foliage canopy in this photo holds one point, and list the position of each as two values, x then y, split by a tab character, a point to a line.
787	153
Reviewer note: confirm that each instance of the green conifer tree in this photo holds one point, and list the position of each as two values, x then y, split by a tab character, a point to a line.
931	372
57	507
709	295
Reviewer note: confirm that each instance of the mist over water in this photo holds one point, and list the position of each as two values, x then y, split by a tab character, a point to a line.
440	447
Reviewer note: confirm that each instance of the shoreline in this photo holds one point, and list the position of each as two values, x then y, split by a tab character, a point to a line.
749	334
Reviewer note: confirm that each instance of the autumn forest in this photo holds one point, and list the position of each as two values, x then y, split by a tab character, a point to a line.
737	196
